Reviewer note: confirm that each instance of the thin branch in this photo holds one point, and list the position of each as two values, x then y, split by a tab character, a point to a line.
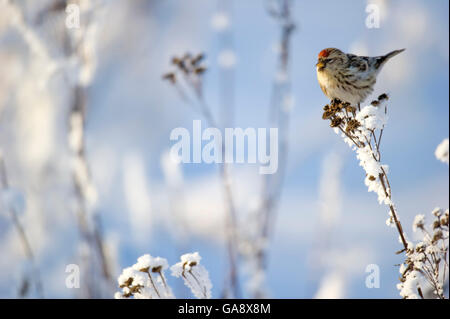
22	233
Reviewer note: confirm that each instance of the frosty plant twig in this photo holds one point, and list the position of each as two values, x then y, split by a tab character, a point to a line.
146	279
81	44
77	64
363	131
281	104
187	79
426	262
195	276
14	213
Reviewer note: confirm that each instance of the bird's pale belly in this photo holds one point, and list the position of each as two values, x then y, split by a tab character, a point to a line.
347	93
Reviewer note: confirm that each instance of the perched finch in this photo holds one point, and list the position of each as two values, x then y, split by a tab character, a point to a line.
348	77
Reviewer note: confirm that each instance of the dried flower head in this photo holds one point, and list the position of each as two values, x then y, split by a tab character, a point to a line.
383	96
350	109
198	59
170	77
335	122
352	125
327	114
195	276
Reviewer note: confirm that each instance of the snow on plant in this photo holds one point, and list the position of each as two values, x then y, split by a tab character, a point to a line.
243	241
441	152
362	129
195	276
187	79
74	56
13	202
426	263
146	279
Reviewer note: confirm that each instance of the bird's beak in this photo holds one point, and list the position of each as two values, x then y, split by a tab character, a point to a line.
320	65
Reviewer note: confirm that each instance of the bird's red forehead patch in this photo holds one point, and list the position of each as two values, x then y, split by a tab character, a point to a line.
323	54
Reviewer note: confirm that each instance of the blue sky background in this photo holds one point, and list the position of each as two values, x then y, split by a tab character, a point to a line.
131	113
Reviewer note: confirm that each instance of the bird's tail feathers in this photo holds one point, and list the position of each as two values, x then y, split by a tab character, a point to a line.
383	59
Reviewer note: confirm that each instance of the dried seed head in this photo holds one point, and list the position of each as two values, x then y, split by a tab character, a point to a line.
134	289
352	125
200	70
437	212
336	122
444	221
327	115
176	60
420	249
336	101
187	56
383	96
144	269
127	283
345	104
157	269
436	224
335	107
437	235
198	59
183	67
170	77
350	109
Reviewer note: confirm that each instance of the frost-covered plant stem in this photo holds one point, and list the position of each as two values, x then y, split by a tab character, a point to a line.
146	279
359	130
78	75
187	80
227	107
89	227
279	117
80	45
383	177
195	276
281	92
427	261
21	232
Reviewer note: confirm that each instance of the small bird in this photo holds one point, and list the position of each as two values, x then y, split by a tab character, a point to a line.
349	77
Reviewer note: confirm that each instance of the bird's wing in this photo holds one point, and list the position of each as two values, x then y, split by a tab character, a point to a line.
359	67
358	63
